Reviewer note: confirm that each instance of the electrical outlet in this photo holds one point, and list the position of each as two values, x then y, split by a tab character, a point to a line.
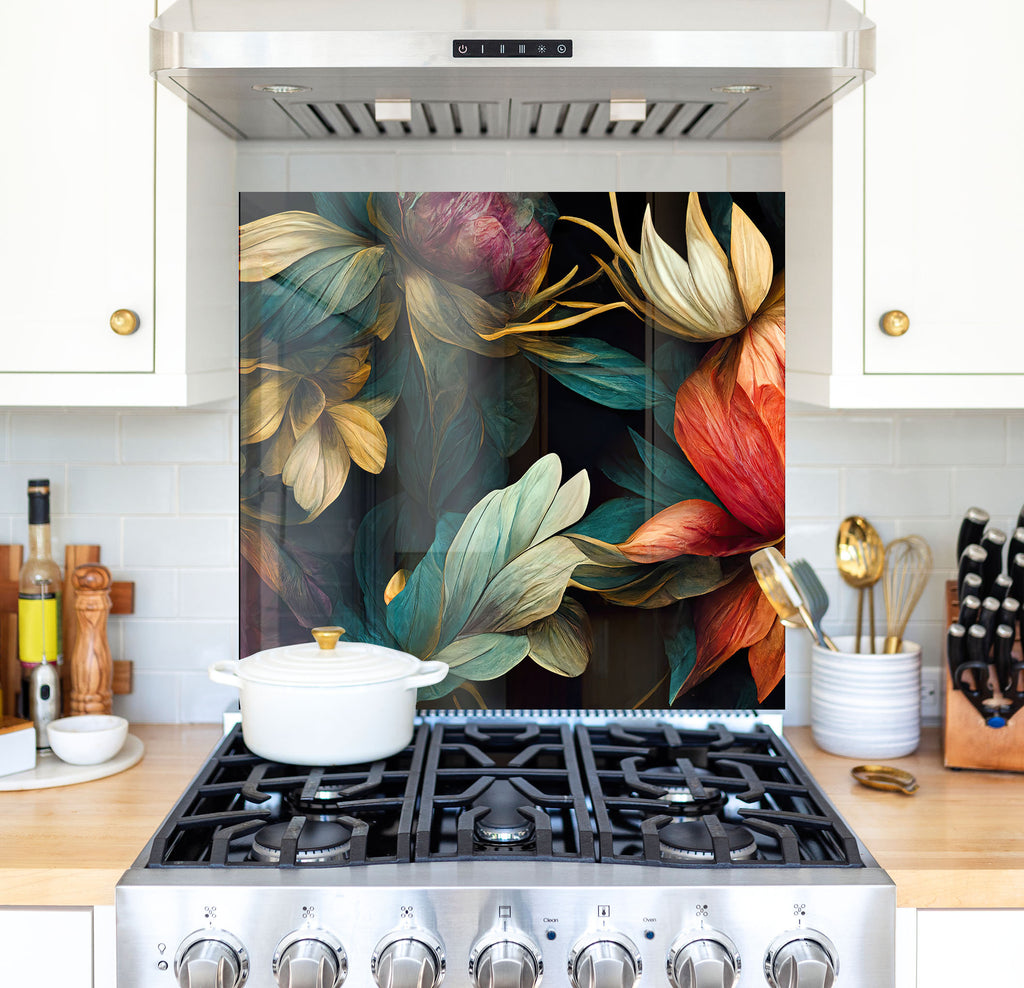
931	694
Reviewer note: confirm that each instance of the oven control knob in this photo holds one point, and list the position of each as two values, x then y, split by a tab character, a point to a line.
310	959
607	960
410	959
709	960
801	959
211	959
505	961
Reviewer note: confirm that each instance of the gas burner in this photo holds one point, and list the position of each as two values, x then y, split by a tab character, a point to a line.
502	823
681	801
319	842
324	804
691	841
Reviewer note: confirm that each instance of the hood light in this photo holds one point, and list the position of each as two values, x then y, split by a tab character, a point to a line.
281	90
740	89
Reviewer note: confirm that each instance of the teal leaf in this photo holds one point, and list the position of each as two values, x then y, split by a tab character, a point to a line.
674	361
681	650
508	402
374	564
528	588
480	657
562	642
615	520
610	377
673	475
717	208
347	210
414	615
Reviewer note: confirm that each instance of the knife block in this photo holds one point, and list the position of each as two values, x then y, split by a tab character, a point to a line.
967	741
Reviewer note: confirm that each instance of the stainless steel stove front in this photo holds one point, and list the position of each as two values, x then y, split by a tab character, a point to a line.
490	924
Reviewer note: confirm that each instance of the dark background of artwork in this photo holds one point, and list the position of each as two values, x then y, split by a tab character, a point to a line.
629	655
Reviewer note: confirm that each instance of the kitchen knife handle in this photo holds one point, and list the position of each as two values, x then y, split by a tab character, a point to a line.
955	650
1002	660
988	619
993	542
1015	545
970	608
1009	612
972	560
977	660
972	527
1000	586
1017	576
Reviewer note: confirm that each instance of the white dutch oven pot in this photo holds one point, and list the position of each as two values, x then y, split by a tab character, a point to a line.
325	702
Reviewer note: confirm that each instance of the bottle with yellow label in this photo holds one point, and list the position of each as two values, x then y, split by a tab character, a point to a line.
39	590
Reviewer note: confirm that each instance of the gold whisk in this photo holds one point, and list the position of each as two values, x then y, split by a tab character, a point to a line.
908	563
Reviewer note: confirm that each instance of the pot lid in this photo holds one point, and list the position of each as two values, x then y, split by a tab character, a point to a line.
328	662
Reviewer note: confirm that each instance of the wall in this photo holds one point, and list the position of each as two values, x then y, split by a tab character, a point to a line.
158	489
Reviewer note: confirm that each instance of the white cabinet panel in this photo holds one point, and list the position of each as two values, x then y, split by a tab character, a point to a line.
969	947
903	198
46	947
78	187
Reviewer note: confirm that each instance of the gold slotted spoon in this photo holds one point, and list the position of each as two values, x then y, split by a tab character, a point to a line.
860	558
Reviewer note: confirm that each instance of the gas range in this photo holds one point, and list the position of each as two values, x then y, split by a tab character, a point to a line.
496	851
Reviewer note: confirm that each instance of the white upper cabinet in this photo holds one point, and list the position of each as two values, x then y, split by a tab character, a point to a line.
104	212
904	200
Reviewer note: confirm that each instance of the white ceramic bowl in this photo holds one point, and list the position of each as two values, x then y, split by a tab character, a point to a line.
88	739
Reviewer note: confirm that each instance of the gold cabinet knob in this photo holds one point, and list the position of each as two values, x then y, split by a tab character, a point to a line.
327	637
895	323
124	322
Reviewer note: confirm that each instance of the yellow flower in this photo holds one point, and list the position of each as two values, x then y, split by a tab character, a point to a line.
700	298
304	407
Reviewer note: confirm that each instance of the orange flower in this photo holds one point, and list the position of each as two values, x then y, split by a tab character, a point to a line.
730	423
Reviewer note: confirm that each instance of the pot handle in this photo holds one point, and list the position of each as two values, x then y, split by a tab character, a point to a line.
428	674
224	672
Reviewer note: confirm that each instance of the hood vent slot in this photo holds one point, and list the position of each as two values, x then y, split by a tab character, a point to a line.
583	119
575	119
354	119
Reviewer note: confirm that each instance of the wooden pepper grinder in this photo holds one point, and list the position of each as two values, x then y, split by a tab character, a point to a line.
92	670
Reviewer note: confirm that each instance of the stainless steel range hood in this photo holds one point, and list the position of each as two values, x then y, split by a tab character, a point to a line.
400	69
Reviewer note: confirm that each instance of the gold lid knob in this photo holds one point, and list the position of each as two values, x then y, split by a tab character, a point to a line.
327	637
124	322
895	323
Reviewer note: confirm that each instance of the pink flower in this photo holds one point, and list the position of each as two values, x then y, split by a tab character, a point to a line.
485	241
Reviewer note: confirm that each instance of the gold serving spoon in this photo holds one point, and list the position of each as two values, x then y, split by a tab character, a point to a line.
860	558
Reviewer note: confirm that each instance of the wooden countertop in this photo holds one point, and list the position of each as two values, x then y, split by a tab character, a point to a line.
959	842
68	846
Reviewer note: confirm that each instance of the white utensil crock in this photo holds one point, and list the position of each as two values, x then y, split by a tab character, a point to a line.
866	706
310	705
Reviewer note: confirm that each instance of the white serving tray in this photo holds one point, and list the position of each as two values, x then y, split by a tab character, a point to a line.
50	771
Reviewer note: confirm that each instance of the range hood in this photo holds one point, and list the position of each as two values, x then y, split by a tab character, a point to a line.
530	69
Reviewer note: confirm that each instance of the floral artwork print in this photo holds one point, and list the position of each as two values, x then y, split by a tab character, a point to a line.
535	436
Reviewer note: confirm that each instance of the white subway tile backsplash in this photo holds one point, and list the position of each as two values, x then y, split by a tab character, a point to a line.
999	490
469	172
812	493
202	700
177	437
79	437
164	646
154	699
14	478
121	489
363	172
209	593
856	440
156	592
209	490
755	172
673	173
101	530
965	440
897	492
179	542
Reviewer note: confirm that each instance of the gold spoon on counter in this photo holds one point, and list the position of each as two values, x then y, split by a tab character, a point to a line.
860	558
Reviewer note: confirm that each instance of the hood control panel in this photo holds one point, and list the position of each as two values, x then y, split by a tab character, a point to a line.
512	48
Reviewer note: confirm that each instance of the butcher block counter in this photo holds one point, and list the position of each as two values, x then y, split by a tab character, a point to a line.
957	843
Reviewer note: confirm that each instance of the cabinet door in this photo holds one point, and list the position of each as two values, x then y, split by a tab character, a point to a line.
944	133
78	171
46	948
969	947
